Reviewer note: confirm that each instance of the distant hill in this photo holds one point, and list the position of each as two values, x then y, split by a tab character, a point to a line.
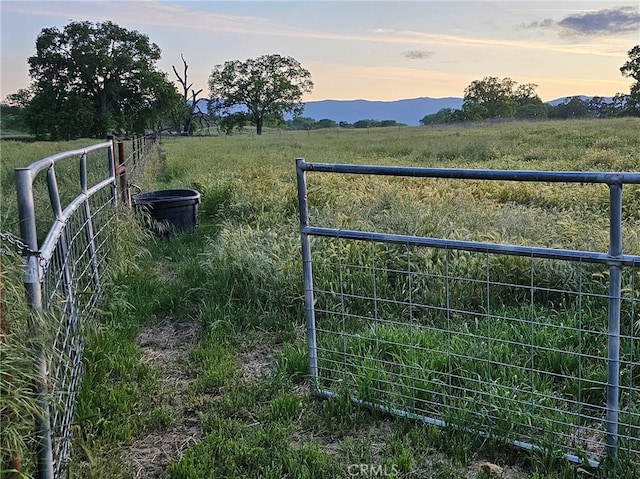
408	111
558	101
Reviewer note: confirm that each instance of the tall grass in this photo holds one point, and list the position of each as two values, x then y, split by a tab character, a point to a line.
18	372
254	261
239	276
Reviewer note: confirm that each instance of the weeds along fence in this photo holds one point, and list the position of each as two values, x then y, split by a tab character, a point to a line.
536	346
67	208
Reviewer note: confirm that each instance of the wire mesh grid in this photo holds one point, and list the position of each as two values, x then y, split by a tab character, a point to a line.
512	347
141	149
72	288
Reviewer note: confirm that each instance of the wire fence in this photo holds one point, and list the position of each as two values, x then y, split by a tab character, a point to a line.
68	233
538	347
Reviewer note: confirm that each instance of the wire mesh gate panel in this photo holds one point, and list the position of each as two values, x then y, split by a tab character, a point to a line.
536	346
77	200
71	289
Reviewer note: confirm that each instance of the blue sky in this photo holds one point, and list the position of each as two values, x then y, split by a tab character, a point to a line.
364	49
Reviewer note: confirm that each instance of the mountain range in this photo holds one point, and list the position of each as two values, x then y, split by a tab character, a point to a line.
408	111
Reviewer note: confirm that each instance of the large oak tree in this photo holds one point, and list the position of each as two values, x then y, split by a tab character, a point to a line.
493	97
490	97
91	79
262	89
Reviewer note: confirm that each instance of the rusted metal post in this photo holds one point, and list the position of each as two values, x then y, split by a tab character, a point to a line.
122	175
111	161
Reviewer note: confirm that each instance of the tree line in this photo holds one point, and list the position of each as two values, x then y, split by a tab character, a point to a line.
306	123
92	79
496	98
89	79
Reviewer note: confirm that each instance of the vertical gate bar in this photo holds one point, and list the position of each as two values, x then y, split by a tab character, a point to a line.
33	286
54	197
88	226
308	276
613	334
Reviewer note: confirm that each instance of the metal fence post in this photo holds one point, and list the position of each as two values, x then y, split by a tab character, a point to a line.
613	334
121	171
308	276
32	278
134	151
112	169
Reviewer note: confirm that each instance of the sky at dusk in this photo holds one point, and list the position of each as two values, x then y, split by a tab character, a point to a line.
364	49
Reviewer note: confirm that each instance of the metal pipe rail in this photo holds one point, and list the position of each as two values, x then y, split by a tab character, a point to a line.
609	178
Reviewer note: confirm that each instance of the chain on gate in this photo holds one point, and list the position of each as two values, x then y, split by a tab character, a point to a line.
21	248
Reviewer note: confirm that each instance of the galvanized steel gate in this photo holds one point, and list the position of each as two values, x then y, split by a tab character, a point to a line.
411	342
65	271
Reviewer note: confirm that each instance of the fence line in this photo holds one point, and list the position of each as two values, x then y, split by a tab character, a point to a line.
430	328
65	274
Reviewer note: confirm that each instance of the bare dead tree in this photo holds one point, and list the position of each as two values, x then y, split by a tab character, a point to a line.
191	101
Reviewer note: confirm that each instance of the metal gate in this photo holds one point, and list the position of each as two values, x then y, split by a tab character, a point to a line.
404	324
68	236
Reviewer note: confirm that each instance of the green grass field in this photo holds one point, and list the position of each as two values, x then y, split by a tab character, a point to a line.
198	366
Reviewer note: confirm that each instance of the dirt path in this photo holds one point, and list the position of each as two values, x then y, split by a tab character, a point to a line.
165	346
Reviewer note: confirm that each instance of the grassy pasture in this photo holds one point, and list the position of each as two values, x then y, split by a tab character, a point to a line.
530	214
238	278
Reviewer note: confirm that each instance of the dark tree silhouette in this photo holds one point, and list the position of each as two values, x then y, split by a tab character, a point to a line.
192	110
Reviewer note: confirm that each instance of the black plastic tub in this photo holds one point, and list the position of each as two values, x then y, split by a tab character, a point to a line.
168	211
